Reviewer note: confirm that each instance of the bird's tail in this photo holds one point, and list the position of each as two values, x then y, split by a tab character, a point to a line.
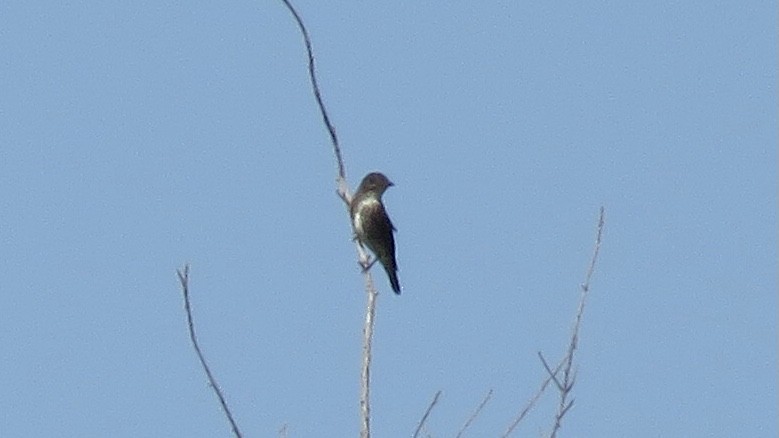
393	278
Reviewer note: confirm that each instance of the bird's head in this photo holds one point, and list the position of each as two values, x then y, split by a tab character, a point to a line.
375	182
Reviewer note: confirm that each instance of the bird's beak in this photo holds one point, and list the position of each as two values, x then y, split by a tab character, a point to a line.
390	184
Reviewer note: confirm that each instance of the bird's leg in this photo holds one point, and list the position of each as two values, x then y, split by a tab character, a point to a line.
367	263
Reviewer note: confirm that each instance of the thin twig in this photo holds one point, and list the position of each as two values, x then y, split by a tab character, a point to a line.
427	413
183	275
343	187
591	269
315	88
475	413
532	401
569	375
551	374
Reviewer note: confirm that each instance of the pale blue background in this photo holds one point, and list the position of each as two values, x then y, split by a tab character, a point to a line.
138	136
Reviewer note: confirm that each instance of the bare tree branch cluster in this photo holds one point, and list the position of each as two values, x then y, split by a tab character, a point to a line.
565	385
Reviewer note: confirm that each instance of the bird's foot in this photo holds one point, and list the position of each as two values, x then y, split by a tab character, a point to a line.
367	264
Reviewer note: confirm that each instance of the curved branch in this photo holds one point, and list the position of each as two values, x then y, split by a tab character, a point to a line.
183	275
315	88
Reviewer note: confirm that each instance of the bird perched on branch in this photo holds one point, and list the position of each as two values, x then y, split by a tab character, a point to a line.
372	226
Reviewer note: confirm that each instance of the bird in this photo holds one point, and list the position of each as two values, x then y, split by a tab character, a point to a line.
372	226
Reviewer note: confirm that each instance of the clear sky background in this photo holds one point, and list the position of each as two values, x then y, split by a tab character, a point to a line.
135	137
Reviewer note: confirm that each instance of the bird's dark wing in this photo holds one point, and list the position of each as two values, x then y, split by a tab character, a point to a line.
378	228
381	230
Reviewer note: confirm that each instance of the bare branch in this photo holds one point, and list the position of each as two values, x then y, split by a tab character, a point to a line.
568	406
363	258
475	414
596	251
551	374
569	374
315	89
367	357
183	275
427	413
532	402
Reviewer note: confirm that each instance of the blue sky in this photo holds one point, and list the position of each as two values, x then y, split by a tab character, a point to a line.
140	136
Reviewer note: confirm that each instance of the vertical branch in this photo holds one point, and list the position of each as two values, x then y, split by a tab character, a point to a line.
183	275
367	357
343	193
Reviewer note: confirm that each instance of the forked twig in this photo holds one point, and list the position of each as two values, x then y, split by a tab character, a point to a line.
565	385
531	403
569	375
552	374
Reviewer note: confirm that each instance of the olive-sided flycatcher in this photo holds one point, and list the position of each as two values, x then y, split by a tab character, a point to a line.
372	225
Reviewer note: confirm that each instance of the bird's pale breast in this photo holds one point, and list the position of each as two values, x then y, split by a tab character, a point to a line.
362	212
